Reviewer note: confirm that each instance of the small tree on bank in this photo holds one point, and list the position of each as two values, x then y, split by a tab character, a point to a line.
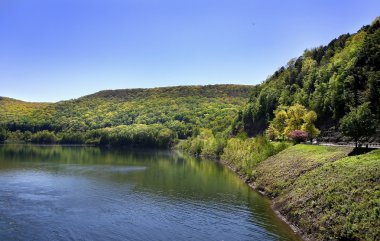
359	123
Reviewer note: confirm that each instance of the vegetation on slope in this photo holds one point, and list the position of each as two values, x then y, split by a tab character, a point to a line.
330	80
321	190
204	143
17	111
359	122
276	173
178	110
338	201
240	153
294	122
245	155
326	196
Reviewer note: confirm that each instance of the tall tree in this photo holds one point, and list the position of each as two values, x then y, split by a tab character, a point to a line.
359	123
308	126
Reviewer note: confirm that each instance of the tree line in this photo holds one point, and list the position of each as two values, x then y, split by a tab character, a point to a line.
176	113
334	87
334	81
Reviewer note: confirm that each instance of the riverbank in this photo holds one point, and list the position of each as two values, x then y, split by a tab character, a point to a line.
252	185
322	192
150	194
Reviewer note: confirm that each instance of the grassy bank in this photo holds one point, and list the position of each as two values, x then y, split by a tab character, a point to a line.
337	201
324	192
327	194
276	173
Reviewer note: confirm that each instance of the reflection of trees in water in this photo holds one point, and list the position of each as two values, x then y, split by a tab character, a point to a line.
161	176
173	173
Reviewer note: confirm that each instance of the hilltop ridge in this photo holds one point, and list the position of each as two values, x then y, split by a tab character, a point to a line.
182	109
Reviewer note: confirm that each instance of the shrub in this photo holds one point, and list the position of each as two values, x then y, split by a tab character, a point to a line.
196	146
298	136
136	135
72	138
205	144
245	155
221	143
44	137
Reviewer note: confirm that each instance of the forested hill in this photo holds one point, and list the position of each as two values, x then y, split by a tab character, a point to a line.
209	91
12	109
176	110
331	80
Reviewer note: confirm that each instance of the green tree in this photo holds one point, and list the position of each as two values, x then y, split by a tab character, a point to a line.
295	118
278	124
271	133
308	126
359	123
328	80
290	119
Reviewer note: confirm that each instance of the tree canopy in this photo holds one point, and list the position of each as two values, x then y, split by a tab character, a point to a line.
359	122
290	119
329	80
177	112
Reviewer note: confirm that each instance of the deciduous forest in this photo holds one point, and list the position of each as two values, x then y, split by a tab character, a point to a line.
332	81
149	117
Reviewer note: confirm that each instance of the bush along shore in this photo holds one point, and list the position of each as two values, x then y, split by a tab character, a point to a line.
322	192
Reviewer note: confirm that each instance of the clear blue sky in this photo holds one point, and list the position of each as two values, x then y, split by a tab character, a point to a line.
53	50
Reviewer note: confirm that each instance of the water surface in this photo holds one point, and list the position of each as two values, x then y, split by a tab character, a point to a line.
85	193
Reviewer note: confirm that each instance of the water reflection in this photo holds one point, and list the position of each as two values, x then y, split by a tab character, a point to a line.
65	193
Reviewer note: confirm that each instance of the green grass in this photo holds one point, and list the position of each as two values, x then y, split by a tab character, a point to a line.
338	201
278	172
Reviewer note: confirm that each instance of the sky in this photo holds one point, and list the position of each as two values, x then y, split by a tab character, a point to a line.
64	49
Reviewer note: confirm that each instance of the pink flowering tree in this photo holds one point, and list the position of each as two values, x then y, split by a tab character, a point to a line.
298	136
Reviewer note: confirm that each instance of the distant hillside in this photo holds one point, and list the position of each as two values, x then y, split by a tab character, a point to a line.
11	109
209	91
180	109
328	79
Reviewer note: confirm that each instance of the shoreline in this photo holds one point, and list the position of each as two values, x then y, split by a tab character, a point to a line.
252	185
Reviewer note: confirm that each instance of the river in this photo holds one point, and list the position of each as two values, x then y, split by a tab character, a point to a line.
87	193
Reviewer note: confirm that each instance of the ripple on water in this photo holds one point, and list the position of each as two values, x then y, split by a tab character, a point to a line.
136	197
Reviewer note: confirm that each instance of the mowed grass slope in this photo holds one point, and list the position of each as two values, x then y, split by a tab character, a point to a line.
278	172
337	201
